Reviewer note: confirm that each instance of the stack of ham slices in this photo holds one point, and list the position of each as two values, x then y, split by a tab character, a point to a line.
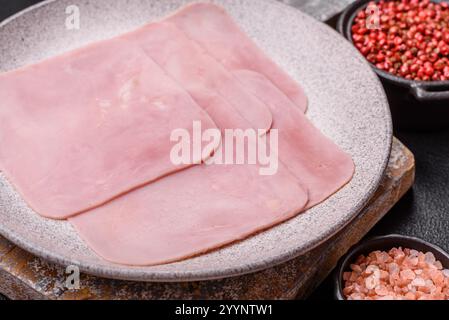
85	136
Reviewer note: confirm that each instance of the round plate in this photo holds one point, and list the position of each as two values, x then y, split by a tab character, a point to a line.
347	103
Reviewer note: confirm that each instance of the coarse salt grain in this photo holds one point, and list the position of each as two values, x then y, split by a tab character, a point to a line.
356	268
446	273
430	258
418	282
408	274
371	282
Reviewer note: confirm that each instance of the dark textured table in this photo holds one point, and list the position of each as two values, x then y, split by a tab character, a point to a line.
424	212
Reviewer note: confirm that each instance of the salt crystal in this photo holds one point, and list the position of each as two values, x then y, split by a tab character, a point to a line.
360	259
371	269
356	268
408	274
446	273
383	257
393	267
382	291
378	255
432	267
414	253
386	298
371	282
418	282
392	252
410	296
414	261
357	288
421	264
437	277
399	256
347	290
438	265
430	258
356	296
430	286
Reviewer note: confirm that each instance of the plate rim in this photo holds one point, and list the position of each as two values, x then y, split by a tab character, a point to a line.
131	274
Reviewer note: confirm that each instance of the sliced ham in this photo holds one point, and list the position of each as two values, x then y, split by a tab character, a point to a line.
209	83
189	213
83	128
211	27
321	166
89	142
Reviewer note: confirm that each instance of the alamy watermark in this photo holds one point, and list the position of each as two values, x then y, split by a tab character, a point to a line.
72	282
373	17
235	147
73	19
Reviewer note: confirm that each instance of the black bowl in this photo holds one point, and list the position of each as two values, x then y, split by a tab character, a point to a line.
418	105
384	243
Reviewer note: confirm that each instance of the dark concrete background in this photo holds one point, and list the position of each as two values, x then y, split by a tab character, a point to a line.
424	212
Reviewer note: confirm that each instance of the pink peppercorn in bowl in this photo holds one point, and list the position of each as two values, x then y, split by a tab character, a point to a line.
407	46
390	246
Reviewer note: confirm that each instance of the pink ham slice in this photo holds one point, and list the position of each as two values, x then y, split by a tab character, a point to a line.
321	166
211	27
85	127
209	83
189	213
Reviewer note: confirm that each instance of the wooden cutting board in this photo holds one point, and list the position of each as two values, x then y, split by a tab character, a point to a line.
24	276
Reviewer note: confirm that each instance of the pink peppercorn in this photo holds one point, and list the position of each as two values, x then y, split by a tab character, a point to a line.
410	32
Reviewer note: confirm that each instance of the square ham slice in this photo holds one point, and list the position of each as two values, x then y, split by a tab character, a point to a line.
212	28
319	164
82	128
189	213
213	87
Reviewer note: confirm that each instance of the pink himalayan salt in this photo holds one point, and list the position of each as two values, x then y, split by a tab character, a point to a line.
371	282
414	252
356	268
418	282
373	269
384	274
410	296
430	258
408	274
446	273
437	277
398	274
354	276
382	290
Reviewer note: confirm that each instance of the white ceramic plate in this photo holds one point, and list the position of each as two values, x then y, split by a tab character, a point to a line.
347	103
